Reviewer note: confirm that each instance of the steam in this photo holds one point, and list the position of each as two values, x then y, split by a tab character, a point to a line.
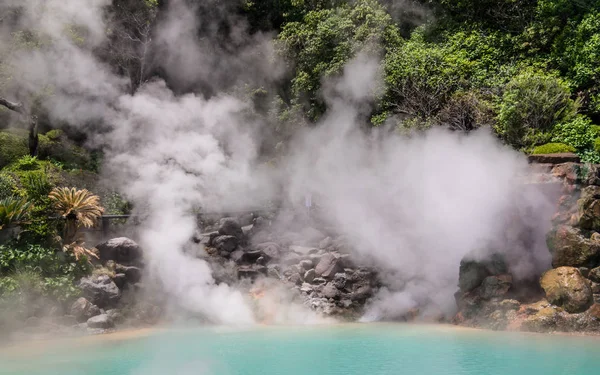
411	206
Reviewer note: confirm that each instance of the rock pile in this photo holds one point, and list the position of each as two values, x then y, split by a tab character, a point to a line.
568	297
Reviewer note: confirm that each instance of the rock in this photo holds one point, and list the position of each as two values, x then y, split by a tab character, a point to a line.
82	309
566	157
115	315
570	248
361	293
510	304
495	286
273	271
545	320
330	291
120	280
102	321
319	281
230	227
472	272
309	275
303	250
122	250
248	230
262	261
295	278
291	259
339	280
594	311
306	288
226	243
569	171
133	274
594	275
251	272
589	208
595	287
325	243
100	290
306	264
269	249
565	287
584	271
328	266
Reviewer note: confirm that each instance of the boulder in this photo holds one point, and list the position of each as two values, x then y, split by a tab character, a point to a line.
102	321
269	249
306	264
570	248
545	320
115	315
133	274
309	275
510	304
100	290
589	208
120	279
339	280
330	291
328	266
82	310
565	287
361	293
594	275
121	250
303	250
230	227
473	272
251	272
226	243
495	286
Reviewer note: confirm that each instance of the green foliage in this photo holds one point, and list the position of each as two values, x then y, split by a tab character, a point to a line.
325	40
12	147
8	185
13	211
115	204
532	104
56	147
26	163
37	185
45	261
579	133
553	148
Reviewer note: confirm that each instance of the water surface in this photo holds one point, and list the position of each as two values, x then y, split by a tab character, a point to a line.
376	349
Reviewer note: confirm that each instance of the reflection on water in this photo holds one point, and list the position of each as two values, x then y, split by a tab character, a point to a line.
378	349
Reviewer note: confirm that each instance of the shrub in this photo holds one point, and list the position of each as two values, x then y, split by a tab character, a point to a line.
12	147
45	261
597	145
8	186
579	133
533	103
553	148
13	211
26	163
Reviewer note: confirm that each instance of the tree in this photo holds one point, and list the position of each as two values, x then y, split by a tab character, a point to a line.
130	39
33	123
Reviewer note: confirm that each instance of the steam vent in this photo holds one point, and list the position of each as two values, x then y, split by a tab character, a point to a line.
565	296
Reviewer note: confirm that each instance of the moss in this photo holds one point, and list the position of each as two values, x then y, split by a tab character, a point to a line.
553	148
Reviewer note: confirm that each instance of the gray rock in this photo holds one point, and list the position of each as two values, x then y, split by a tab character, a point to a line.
325	243
361	293
100	290
306	264
251	272
309	276
306	288
82	309
230	227
120	280
115	315
472	272
273	271
594	275
102	321
269	249
495	286
330	291
319	281
226	243
303	250
122	250
133	274
295	278
290	259
339	280
328	266
247	230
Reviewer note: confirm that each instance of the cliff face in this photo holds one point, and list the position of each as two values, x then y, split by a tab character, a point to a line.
566	296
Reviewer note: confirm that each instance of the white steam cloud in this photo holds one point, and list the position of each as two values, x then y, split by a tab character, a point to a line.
412	206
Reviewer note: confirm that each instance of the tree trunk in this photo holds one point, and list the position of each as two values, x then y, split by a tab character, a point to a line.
33	124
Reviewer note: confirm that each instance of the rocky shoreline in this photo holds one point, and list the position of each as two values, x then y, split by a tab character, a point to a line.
566	298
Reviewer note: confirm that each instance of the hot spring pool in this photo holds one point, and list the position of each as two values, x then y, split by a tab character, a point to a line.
346	349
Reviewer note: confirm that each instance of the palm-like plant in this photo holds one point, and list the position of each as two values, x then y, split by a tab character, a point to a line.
80	208
13	211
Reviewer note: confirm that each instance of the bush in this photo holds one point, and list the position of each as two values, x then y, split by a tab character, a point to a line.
553	148
26	163
8	185
597	145
43	260
12	147
533	103
579	133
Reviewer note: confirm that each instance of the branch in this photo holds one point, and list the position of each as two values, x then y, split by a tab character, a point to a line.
17	107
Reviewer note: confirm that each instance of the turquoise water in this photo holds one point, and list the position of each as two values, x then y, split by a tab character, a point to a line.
327	350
